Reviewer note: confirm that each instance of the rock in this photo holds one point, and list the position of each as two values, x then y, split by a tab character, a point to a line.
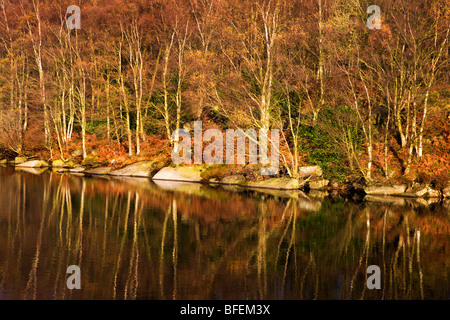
385	190
446	192
416	191
398	201
187	187
318	194
318	184
446	204
63	164
277	193
90	163
58	163
180	173
433	193
77	169
234	179
276	183
422	191
33	164
98	171
138	169
310	171
233	188
19	160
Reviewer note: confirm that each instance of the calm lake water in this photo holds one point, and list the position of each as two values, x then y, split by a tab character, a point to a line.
136	239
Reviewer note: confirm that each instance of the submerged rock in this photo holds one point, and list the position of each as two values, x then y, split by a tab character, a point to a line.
77	169
33	164
318	184
385	190
433	193
188	187
138	169
278	193
398	201
446	192
233	188
422	191
35	171
180	173
318	194
276	183
98	171
235	179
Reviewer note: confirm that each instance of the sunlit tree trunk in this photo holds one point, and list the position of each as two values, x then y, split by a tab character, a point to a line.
37	49
134	39
125	97
166	114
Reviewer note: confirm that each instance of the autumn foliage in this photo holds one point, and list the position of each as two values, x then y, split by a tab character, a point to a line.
359	102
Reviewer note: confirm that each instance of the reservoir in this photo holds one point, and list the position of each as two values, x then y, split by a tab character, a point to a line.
134	238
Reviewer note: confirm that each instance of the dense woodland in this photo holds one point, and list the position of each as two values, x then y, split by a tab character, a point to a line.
371	104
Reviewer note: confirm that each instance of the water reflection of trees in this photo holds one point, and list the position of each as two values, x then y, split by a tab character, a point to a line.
134	241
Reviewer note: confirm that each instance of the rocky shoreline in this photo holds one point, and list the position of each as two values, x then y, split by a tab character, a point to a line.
310	179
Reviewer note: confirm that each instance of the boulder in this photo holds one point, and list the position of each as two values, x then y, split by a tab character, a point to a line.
385	190
416	191
310	171
58	163
446	192
180	173
63	164
233	188
98	171
276	193
33	164
422	191
77	169
19	160
91	163
318	194
234	179
276	183
397	201
318	184
187	187
433	193
138	169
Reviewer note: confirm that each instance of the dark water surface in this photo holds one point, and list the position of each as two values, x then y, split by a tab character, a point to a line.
136	239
